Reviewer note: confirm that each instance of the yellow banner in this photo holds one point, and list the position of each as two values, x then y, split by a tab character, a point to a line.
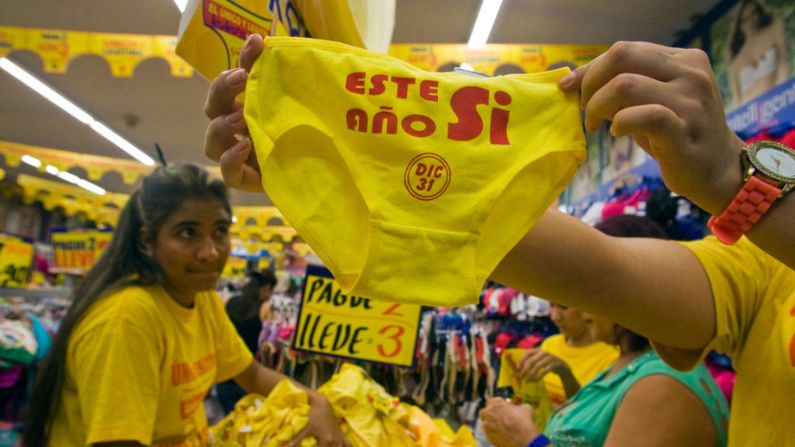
101	209
79	249
496	59
333	323
16	257
96	166
235	267
123	52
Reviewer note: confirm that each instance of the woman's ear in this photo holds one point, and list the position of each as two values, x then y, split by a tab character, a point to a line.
144	244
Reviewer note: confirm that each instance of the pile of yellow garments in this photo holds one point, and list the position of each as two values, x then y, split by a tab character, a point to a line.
265	421
526	392
369	417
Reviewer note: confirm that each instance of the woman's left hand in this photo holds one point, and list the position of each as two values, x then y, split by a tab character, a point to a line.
508	425
322	424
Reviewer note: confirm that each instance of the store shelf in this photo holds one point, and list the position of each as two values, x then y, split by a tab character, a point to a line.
58	292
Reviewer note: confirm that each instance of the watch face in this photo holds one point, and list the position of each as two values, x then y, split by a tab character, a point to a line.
775	160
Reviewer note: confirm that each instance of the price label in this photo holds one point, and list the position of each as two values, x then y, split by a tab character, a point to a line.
333	323
16	257
79	249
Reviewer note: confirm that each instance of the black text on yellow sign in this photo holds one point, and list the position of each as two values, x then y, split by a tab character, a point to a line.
16	256
334	323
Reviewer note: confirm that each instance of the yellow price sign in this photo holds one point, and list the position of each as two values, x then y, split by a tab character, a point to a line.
79	249
16	256
333	323
235	267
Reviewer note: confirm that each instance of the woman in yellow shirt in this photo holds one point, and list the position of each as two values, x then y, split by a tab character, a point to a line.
147	336
567	360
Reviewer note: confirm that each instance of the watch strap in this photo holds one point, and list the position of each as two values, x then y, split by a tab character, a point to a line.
746	208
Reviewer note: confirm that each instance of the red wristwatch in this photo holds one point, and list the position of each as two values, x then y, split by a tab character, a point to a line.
768	173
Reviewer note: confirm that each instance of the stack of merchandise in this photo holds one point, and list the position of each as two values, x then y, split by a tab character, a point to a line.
369	417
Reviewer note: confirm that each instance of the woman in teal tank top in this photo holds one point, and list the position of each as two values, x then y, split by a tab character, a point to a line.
639	400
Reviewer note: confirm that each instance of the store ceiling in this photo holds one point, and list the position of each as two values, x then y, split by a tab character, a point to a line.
152	106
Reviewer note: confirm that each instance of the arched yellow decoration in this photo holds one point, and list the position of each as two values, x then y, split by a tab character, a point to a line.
123	52
102	209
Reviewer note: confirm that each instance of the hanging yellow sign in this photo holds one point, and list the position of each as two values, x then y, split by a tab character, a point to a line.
102	209
333	323
57	48
79	249
16	257
96	166
496	59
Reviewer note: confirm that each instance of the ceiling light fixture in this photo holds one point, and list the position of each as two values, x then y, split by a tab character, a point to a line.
72	109
33	161
181	4
484	23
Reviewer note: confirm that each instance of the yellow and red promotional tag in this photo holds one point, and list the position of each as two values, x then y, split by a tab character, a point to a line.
79	249
333	323
16	256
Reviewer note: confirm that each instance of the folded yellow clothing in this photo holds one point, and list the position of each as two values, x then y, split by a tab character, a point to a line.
410	186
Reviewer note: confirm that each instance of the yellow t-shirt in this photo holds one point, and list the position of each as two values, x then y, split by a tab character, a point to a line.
138	368
754	298
585	363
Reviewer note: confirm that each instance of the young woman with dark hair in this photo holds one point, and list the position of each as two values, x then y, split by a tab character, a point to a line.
146	335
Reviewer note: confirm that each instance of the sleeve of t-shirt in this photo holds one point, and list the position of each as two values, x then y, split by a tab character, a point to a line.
737	275
117	370
231	351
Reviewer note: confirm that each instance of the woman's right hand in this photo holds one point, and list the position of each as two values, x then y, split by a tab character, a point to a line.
536	363
226	140
322	424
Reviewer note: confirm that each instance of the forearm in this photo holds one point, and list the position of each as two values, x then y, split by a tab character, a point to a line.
654	287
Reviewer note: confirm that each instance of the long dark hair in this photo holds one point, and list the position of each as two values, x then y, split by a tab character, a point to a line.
738	36
631	226
123	263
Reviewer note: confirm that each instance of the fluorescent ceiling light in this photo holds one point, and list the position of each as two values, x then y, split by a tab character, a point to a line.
33	161
75	180
181	4
72	109
484	23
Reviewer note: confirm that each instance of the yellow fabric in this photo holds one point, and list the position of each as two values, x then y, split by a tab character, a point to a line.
265	422
436	432
584	362
533	393
370	415
138	367
417	204
754	299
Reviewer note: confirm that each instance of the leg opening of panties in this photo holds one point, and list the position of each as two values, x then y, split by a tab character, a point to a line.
410	186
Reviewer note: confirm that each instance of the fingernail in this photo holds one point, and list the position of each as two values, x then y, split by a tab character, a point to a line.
567	81
248	40
235	117
613	129
236	77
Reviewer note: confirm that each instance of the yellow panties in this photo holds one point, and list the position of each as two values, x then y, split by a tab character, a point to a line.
410	186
